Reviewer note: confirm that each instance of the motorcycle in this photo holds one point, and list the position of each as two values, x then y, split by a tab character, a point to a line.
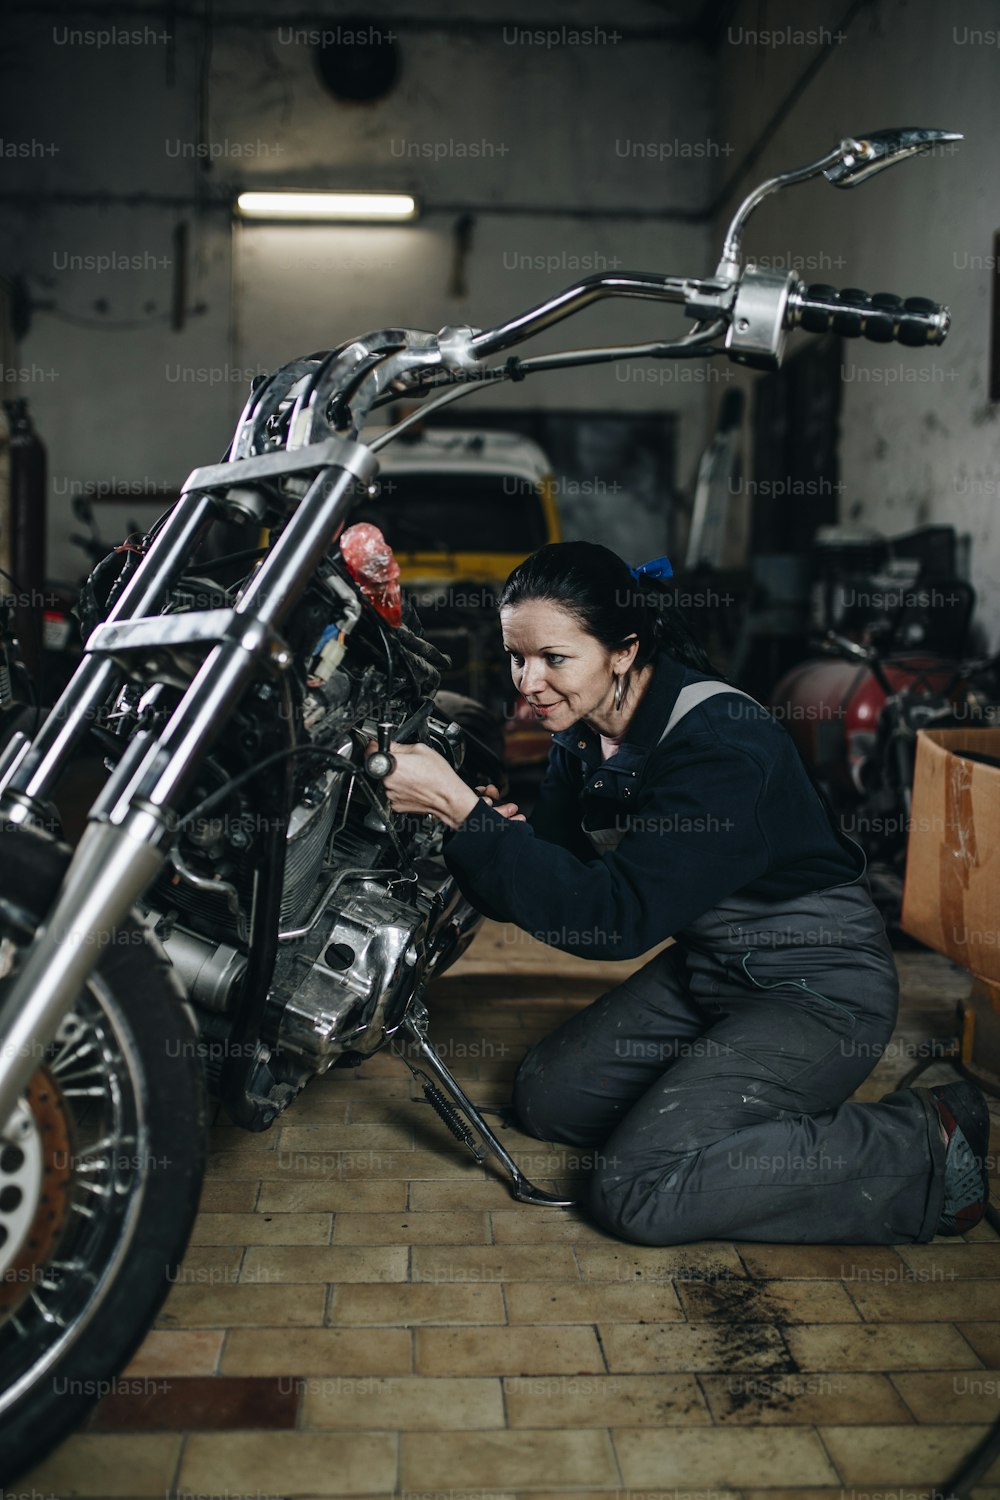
243	908
856	718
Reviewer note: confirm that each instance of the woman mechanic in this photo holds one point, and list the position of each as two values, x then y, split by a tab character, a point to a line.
714	1079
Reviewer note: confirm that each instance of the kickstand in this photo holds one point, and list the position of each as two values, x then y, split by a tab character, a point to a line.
523	1190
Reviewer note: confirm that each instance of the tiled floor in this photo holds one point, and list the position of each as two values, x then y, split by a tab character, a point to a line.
366	1312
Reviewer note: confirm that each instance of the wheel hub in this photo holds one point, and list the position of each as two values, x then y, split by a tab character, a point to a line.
35	1173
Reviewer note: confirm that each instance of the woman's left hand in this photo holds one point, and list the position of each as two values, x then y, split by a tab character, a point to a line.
424	782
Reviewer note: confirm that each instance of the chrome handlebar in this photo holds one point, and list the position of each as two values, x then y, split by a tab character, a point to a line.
332	394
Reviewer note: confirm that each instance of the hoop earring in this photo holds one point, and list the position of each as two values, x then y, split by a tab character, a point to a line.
619	691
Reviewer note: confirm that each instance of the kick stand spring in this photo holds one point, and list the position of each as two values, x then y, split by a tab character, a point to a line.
449	1114
524	1191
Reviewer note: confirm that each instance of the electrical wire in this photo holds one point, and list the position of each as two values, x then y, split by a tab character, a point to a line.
331	757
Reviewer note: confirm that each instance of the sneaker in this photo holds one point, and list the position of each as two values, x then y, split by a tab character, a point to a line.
964	1113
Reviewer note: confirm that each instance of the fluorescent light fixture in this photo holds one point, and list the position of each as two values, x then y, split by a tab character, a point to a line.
377	207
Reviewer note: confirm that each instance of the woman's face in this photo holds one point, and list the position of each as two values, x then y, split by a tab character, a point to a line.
563	672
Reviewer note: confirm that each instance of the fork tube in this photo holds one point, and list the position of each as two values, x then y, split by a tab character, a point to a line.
128	835
265	602
35	775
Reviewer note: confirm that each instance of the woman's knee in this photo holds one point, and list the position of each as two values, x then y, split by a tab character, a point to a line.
549	1101
541	1094
529	1096
643	1208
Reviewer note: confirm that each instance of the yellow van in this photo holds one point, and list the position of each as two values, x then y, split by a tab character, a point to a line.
461	507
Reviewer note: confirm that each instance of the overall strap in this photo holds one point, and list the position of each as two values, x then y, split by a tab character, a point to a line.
694	693
604	840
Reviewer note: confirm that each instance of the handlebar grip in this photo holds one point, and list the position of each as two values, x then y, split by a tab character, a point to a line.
881	317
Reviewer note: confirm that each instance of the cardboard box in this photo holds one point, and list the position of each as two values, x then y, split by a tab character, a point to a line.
980	1031
951	899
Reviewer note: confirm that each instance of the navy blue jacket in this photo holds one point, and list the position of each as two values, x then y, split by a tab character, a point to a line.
724	804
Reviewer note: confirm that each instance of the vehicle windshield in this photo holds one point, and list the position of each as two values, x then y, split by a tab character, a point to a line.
457	512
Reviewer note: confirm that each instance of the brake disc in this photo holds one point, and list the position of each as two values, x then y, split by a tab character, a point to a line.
35	1177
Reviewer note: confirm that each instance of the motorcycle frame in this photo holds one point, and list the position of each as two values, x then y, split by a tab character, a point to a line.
134	820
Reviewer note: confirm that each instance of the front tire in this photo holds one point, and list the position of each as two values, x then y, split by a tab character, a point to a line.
100	1177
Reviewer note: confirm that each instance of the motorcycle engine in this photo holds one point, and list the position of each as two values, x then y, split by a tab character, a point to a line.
366	911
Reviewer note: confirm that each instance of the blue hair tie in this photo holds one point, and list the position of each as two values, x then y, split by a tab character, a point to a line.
657	567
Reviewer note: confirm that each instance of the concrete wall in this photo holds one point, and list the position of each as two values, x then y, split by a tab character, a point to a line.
610	124
921	440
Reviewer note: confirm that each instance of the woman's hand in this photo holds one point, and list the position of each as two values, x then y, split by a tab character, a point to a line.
491	794
424	782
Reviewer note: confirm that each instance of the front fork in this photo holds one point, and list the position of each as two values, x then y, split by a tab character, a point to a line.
132	823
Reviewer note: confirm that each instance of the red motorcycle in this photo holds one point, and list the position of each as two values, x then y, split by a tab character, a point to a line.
855	720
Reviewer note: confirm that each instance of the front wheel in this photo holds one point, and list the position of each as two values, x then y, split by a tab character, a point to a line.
100	1170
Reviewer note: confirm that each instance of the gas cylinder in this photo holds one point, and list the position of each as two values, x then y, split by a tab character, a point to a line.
27	512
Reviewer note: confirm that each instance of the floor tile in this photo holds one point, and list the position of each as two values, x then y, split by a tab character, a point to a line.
343	1166
323	1101
233	1138
261	1229
823	1262
365	1084
880	1346
653	1494
766	1456
243	1306
197	1404
752	1398
403	1403
493	1263
409	1304
899	1455
506	1351
163	1351
289	1464
410	1164
395	1301
208	1265
984	1339
318	1351
487	1195
546	1302
827	1492
604	1400
219	1195
928	1301
754	1301
612	1261
952	1260
332	1196
326	1263
333	1137
950	1396
415	1114
702	1346
411	1228
106	1466
543	1226
473	1460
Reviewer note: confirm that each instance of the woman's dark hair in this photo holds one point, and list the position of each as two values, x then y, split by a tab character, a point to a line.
597	588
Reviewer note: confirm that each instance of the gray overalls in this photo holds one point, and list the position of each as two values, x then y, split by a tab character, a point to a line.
713	1080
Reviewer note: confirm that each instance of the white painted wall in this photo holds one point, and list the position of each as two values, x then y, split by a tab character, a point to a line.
921	440
119	396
